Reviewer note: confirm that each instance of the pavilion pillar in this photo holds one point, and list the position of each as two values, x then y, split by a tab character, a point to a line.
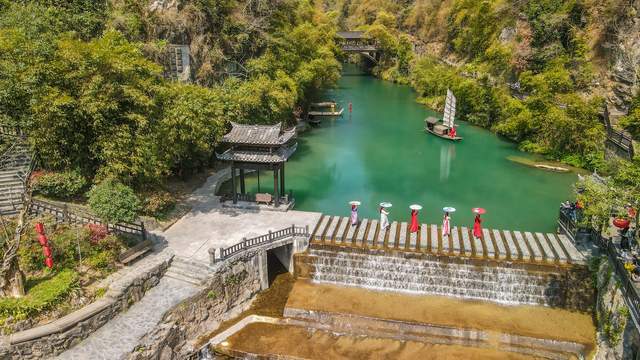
282	179
233	183
276	194
242	187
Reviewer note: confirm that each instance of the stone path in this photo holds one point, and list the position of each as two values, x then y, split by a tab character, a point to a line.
209	225
119	336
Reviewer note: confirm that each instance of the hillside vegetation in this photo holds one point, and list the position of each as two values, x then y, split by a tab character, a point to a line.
84	79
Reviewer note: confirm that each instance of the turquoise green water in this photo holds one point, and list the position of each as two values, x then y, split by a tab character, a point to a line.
381	153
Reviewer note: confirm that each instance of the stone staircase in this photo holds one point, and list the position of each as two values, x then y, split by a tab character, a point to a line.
14	166
189	271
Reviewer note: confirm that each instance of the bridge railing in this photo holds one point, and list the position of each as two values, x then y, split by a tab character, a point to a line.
271	236
63	214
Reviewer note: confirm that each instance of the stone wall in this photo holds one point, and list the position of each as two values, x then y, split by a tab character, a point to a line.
229	291
55	337
617	336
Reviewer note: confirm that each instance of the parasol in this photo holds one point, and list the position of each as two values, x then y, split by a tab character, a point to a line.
449	209
415	207
386	204
479	211
354	202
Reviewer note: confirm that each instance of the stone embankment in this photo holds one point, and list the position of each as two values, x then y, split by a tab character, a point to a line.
232	286
56	337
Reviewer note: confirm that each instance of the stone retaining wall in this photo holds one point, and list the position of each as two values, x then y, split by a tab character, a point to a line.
55	337
231	289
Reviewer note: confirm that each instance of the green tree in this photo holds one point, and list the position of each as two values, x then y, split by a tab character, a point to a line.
113	202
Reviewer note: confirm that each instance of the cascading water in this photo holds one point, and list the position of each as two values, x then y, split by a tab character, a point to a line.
502	284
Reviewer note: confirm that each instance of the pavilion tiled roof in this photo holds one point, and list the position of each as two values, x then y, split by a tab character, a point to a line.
258	134
351	34
281	155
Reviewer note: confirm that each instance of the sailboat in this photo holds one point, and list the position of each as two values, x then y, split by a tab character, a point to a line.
447	129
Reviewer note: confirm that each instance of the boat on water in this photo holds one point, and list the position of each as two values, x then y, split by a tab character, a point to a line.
446	129
320	109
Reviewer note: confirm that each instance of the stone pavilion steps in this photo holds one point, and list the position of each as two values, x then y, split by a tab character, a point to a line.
189	271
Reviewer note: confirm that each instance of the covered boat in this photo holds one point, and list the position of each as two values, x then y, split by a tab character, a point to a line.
446	129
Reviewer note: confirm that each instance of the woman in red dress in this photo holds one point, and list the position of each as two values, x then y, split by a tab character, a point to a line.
415	225
477	228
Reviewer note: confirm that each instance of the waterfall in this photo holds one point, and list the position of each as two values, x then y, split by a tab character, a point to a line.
491	282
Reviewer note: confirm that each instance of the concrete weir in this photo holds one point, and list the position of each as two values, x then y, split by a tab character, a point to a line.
516	268
499	245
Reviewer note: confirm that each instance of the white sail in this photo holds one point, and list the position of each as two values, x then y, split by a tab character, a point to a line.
449	110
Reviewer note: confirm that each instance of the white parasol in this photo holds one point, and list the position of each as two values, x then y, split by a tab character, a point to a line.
386	204
354	202
415	207
449	209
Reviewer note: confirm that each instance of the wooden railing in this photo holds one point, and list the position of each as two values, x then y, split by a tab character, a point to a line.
63	214
251	197
263	239
621	143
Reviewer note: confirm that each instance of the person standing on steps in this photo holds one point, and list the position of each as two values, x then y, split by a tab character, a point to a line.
446	221
477	227
384	215
354	212
415	224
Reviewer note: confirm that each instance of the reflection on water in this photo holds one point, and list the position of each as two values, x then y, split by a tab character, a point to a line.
447	155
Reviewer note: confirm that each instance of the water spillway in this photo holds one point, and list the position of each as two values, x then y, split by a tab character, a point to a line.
501	284
506	267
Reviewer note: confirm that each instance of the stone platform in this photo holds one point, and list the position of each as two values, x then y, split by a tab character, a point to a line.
499	245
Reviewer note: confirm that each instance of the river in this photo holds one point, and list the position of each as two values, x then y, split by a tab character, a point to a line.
380	152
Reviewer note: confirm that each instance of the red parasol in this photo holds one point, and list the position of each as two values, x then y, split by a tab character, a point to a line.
621	223
479	211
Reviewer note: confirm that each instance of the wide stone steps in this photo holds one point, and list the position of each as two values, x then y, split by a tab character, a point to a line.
498	245
189	271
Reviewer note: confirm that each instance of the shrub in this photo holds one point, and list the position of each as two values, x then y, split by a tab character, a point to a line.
102	260
157	203
40	297
60	185
113	201
97	232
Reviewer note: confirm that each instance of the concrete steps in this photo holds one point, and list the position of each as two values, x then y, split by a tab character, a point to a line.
11	179
189	271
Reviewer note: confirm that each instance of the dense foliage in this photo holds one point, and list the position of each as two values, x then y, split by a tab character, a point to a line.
113	201
86	80
59	185
520	68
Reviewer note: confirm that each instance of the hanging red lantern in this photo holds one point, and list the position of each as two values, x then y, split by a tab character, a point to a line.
49	262
46	250
621	223
40	228
42	239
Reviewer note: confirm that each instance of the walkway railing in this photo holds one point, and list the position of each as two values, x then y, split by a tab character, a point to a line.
63	214
263	239
607	246
627	286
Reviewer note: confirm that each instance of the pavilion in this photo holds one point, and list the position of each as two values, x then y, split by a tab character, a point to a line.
258	147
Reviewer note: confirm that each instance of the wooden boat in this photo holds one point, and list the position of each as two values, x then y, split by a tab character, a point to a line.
443	130
318	110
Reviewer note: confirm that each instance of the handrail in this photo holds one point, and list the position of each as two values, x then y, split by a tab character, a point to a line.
263	239
629	290
63	214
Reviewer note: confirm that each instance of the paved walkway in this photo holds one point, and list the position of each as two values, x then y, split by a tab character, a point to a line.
120	335
208	225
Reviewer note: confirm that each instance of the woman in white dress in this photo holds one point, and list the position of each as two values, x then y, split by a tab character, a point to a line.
384	218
